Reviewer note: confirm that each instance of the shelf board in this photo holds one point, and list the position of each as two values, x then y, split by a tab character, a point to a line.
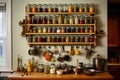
100	35
61	43
60	24
113	64
60	33
43	13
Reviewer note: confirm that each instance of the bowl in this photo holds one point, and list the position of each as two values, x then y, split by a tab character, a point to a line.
59	72
90	72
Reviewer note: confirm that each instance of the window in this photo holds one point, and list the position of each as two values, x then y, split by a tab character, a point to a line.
5	35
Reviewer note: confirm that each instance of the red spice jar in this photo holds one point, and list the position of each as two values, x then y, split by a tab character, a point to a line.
39	39
91	39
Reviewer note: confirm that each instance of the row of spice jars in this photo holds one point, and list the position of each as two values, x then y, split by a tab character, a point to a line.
60	7
83	29
87	38
60	19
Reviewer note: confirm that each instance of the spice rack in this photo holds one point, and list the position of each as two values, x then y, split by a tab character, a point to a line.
28	32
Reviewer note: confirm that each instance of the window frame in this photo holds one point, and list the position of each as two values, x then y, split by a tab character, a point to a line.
8	47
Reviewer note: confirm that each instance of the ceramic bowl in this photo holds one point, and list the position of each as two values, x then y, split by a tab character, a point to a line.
59	72
90	72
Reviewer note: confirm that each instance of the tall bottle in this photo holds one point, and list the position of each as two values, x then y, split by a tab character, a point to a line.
29	67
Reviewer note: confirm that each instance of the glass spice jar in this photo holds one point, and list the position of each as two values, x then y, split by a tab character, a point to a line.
48	38
81	8
49	30
65	20
34	30
72	39
41	68
54	30
29	39
34	8
91	29
53	39
71	20
81	20
67	30
76	19
91	19
72	30
76	39
55	8
63	30
34	38
82	29
81	39
44	39
28	19
75	8
86	7
39	30
58	39
28	8
70	8
86	39
86	29
50	9
58	29
67	39
44	20
34	21
91	39
46	69
65	8
86	19
39	39
40	8
45	8
54	19
62	39
91	7
77	29
60	19
44	29
60	8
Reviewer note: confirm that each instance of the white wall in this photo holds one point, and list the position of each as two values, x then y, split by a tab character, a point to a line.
20	44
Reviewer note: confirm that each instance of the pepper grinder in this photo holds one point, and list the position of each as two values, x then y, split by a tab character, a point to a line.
18	67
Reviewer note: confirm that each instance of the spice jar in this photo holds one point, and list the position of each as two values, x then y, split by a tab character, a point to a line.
44	39
75	8
49	30
44	8
91	7
60	8
77	29
39	39
72	29
46	69
41	67
28	19
71	20
86	29
58	30
65	20
34	39
72	39
50	9
39	30
62	39
67	30
58	39
76	39
65	8
53	39
91	29
91	39
81	39
52	69
49	20
34	8
91	19
54	20
86	7
60	19
82	29
28	8
34	21
70	8
63	30
54	30
34	30
48	38
40	8
86	39
29	39
44	29
81	20
86	19
38	19
55	8
81	8
44	20
67	39
76	19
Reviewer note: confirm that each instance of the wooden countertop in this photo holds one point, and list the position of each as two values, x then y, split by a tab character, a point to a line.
42	76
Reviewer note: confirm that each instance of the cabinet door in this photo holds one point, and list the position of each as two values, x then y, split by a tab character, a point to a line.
113	24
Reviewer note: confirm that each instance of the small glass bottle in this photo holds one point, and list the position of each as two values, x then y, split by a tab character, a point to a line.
82	29
28	19
67	39
86	39
86	19
81	39
91	29
91	39
77	29
55	8
40	8
50	9
58	39
91	7
44	39
76	39
86	7
33	20
60	20
49	30
60	8
44	29
34	30
28	8
34	8
39	30
70	8
53	39
65	20
54	30
81	20
34	39
65	8
63	30
91	19
58	29
54	19
48	38
81	8
44	20
62	39
72	39
71	20
29	39
76	19
39	39
72	29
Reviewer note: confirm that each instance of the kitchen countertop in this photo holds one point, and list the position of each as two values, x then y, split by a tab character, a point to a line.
43	76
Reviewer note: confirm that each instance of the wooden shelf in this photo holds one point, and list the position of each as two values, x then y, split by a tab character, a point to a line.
100	35
60	24
62	43
113	64
43	13
60	33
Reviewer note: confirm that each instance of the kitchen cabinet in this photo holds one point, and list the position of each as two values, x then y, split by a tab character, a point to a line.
114	70
88	24
113	31
42	76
